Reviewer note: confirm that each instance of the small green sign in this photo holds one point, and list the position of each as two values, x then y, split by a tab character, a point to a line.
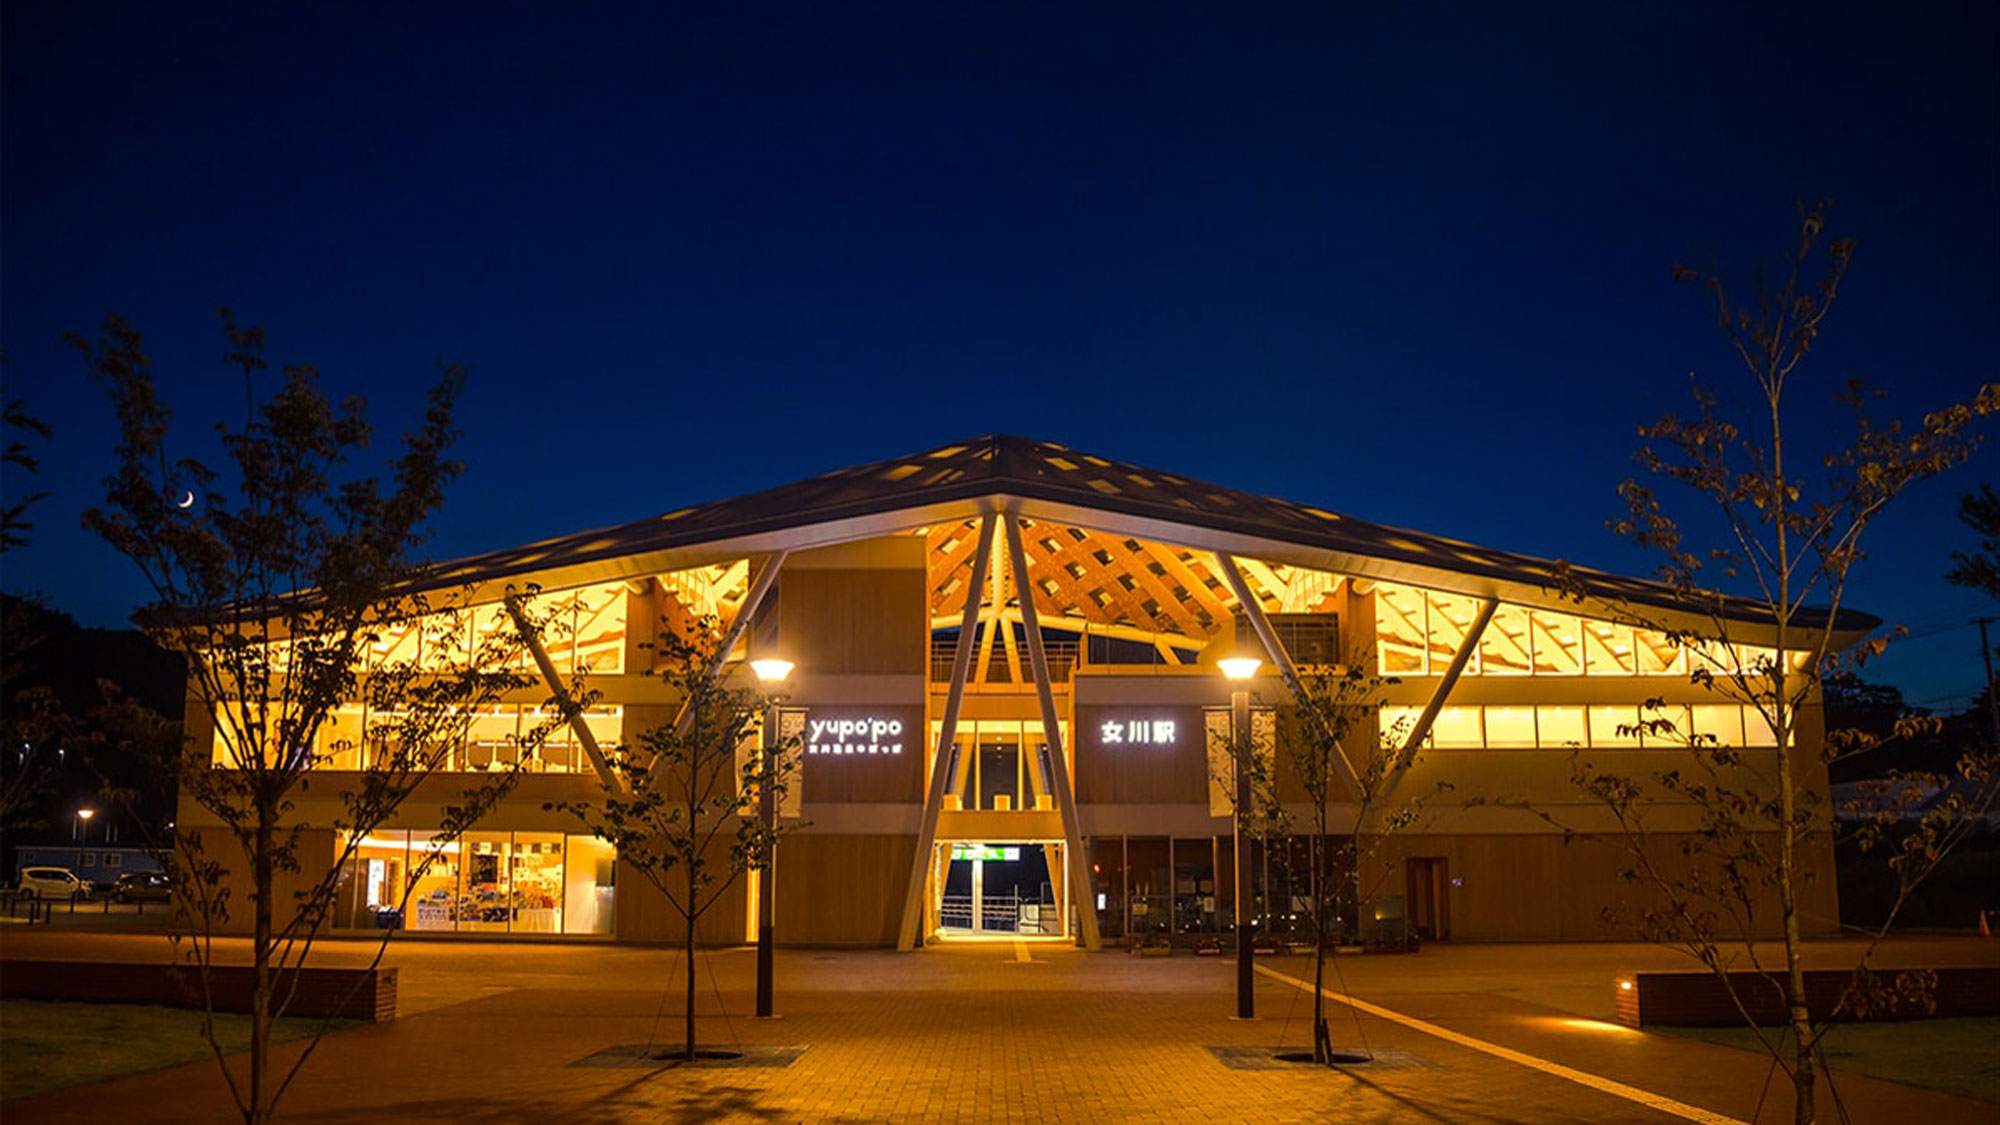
984	851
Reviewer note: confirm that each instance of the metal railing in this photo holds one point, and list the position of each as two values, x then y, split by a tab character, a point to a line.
1000	914
1063	657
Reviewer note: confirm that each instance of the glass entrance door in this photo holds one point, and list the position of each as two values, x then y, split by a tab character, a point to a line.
1001	889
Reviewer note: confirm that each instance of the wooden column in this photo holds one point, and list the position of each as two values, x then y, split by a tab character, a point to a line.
1079	866
908	935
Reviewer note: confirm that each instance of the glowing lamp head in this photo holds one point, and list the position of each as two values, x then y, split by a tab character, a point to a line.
85	814
771	670
1239	667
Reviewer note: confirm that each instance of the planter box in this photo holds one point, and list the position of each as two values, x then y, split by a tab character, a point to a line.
1699	999
359	994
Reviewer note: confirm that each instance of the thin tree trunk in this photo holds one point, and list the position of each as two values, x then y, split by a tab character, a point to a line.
1803	1077
1319	992
689	1055
260	953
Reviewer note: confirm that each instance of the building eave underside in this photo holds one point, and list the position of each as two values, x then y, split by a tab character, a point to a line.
639	550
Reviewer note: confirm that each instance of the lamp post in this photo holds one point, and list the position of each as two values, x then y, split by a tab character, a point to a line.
83	824
1239	669
771	673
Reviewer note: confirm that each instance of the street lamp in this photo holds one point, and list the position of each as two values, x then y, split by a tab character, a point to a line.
771	673
1239	670
83	824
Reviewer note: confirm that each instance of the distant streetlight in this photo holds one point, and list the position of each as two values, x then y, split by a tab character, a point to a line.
83	824
1238	670
771	672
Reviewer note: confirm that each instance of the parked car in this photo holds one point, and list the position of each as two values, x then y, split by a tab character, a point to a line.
53	883
142	886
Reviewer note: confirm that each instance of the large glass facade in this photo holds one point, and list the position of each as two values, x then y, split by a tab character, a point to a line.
484	882
1555	726
495	738
1152	889
1417	633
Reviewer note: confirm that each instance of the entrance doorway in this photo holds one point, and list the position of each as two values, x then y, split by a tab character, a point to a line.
1001	888
1426	889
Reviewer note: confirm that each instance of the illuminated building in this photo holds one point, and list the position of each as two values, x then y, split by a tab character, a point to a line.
874	582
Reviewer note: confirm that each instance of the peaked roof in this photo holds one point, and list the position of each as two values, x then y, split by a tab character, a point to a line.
1052	481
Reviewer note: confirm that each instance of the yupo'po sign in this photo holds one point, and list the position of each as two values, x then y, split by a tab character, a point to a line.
862	734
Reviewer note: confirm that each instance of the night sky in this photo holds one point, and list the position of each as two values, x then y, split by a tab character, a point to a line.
1406	262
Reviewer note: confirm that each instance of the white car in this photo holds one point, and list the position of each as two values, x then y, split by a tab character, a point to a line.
53	883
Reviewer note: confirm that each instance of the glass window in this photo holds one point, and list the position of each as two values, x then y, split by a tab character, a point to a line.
1195	901
1504	647
1107	883
1558	643
433	903
1400	633
1755	660
999	775
535	897
485	882
1675	734
1149	886
446	639
1614	726
492	737
1757	729
1398	722
1607	649
590	868
1717	725
600	630
1510	726
496	641
1560	727
1658	654
1457	727
338	746
396	644
371	893
1451	617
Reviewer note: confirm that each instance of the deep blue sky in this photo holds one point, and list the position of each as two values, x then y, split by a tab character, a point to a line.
1409	262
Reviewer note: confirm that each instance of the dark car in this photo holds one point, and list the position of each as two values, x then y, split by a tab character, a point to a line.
142	886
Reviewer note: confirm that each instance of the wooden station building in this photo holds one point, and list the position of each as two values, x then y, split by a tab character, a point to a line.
1006	681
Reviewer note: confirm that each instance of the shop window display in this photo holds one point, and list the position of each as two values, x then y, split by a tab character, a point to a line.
486	882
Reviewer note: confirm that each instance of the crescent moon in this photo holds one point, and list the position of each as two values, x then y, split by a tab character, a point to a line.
187	499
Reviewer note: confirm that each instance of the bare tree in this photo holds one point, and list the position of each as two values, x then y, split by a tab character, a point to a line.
1784	513
273	577
685	812
1333	715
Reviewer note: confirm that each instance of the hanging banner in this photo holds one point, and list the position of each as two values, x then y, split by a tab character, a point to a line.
791	761
1222	760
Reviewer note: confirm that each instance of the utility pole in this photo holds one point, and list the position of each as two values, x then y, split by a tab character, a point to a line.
1986	653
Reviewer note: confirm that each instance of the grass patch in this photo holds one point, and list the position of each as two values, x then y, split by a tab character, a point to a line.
48	1045
1954	1055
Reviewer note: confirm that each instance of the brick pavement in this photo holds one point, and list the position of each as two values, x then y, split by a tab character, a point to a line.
973	1034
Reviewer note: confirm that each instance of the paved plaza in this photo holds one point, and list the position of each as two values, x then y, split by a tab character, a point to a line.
1005	1031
